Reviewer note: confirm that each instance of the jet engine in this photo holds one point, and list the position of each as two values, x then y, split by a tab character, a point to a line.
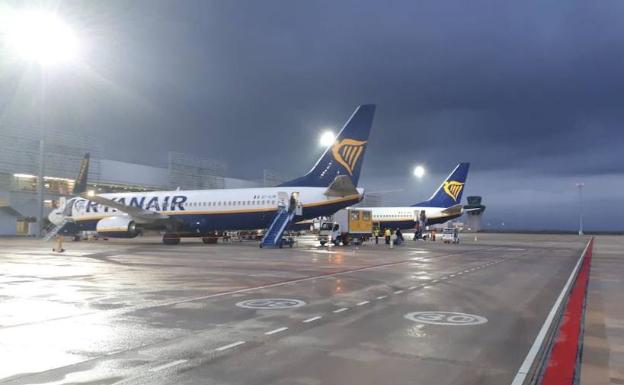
117	227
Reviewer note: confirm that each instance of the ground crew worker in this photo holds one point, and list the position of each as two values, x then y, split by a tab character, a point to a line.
376	233
59	244
387	234
399	235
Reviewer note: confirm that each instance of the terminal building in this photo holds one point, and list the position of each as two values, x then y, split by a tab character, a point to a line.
19	167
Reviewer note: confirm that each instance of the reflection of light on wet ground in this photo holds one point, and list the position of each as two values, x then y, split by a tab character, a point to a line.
320	251
28	305
338	288
43	346
421	275
416	331
414	252
337	259
17	311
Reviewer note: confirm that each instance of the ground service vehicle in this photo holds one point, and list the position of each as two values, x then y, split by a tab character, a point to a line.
450	235
347	226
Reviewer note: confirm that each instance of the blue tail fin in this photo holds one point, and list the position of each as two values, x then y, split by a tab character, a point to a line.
80	185
345	156
450	191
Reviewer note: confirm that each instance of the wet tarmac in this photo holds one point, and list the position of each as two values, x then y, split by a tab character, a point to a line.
138	312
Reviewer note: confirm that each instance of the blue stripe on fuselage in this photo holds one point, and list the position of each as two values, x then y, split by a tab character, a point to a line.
204	223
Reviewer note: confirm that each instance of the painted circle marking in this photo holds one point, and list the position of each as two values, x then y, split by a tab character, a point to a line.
271	303
445	318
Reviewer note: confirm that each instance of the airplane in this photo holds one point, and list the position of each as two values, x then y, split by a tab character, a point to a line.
444	205
328	187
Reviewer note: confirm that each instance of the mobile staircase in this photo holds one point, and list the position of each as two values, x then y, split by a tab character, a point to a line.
55	230
273	236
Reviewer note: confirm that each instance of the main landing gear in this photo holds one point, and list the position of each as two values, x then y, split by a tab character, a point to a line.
208	240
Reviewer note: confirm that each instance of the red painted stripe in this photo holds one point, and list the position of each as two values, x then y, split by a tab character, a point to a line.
561	367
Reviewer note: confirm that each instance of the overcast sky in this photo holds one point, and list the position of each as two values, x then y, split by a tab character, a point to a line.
529	92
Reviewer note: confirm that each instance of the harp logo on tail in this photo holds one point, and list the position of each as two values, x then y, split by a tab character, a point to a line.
347	152
453	188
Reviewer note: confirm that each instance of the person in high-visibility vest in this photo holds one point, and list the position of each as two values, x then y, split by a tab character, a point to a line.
387	234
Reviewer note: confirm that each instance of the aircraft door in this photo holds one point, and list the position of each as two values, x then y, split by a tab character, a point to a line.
422	218
282	199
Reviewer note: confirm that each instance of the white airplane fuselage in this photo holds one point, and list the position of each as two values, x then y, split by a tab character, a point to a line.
203	211
406	217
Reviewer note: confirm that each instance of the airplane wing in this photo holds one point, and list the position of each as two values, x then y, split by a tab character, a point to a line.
139	214
342	186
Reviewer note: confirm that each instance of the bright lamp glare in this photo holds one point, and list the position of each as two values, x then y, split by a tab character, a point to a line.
42	37
419	171
327	139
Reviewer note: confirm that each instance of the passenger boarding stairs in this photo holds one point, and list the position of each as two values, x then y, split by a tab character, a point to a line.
55	230
273	236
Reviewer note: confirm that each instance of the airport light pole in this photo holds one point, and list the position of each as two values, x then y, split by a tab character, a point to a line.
419	172
41	37
580	186
327	138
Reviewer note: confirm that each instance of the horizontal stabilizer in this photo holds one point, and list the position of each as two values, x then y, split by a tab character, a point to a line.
453	210
137	213
342	186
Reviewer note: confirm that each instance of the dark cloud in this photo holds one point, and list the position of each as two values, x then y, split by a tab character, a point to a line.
523	90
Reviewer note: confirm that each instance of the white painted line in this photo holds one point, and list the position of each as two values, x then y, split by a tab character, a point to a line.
341	310
460	273
167	365
452	275
229	346
539	339
382	297
398	292
412	287
362	303
312	319
435	281
275	331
